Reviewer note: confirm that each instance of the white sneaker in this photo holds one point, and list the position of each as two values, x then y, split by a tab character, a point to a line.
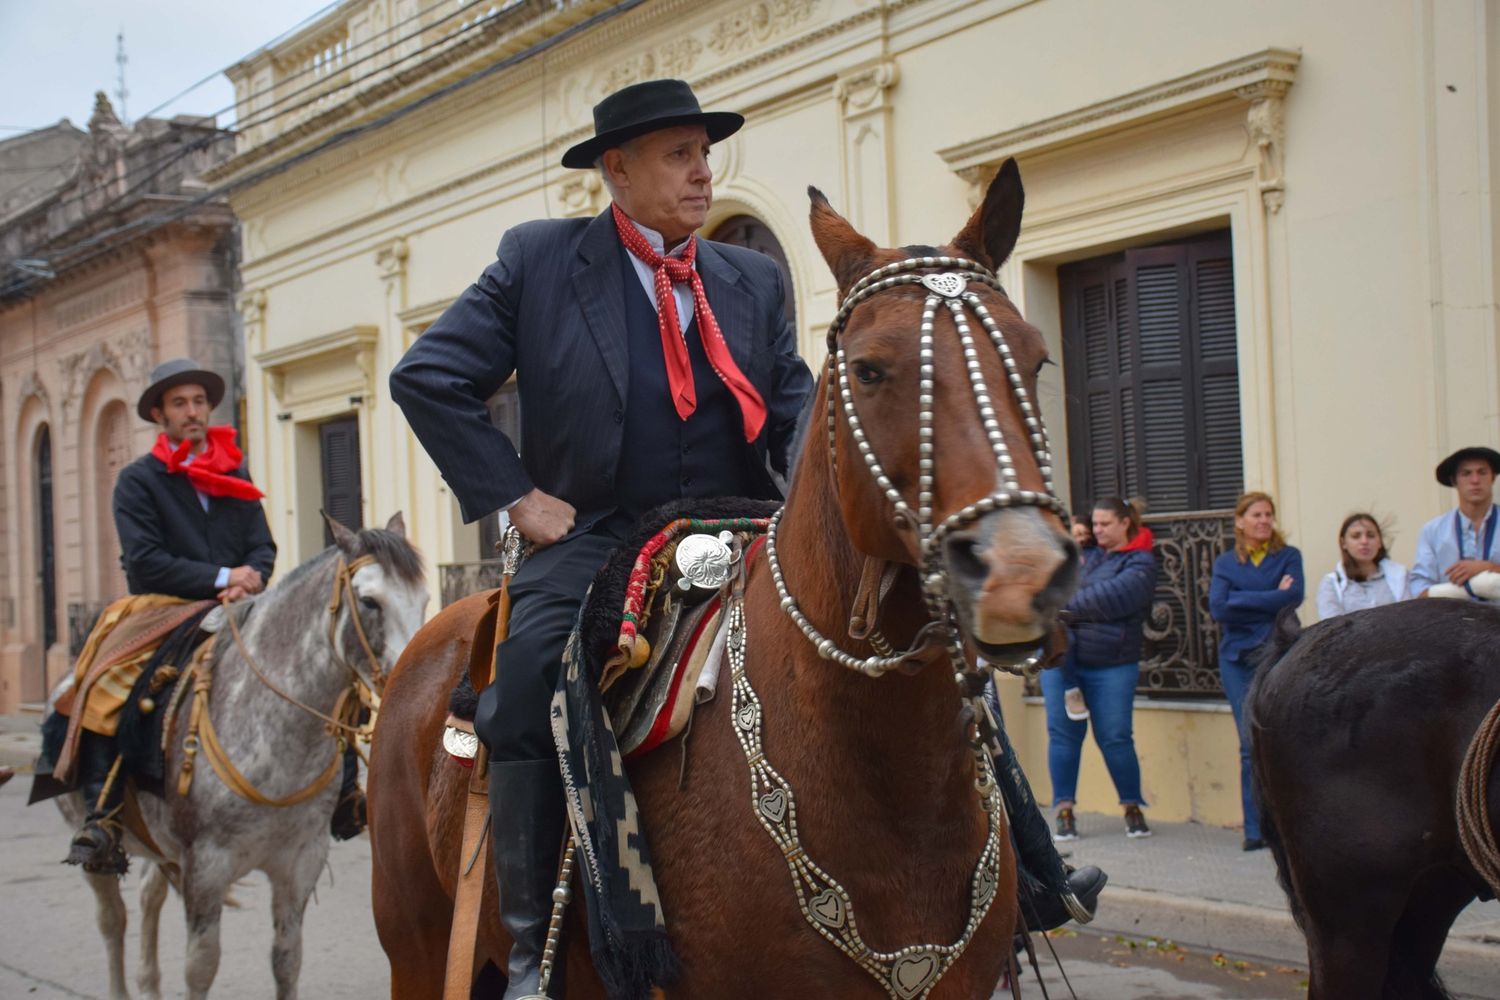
1074	705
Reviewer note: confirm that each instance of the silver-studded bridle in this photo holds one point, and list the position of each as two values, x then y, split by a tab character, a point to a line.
946	280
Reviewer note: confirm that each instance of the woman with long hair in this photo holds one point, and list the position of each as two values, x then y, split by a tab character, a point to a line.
1365	576
1105	620
1251	584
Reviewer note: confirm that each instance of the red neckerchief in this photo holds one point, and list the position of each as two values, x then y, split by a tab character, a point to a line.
674	271
209	471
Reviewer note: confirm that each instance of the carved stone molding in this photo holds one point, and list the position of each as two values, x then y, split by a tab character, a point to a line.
253	306
128	357
1266	121
674	59
757	23
390	260
32	385
1259	77
865	89
580	194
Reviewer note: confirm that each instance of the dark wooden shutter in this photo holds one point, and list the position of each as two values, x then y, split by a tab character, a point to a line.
1153	381
46	543
342	497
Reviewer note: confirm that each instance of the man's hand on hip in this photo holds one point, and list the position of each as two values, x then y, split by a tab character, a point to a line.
542	519
246	578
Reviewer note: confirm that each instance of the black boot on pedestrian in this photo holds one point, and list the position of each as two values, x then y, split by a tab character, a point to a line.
349	815
96	846
528	816
1046	911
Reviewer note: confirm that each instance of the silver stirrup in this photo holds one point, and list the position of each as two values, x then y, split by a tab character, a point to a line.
1076	909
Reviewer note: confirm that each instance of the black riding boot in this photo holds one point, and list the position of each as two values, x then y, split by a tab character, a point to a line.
528	816
96	845
1051	893
349	815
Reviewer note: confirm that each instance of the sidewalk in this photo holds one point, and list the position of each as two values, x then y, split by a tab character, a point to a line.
20	741
1193	885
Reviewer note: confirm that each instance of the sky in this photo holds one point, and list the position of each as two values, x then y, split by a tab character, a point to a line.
55	53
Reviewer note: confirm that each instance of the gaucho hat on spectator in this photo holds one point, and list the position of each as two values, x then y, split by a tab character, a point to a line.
183	371
1448	467
647	107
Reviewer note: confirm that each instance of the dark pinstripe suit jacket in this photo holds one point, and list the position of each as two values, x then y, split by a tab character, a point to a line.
551	310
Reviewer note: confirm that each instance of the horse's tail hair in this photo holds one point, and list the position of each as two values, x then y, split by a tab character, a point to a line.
1284	635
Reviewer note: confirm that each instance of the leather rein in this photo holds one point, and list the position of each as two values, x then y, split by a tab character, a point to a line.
342	724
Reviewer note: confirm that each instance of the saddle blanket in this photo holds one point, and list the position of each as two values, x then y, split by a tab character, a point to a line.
123	641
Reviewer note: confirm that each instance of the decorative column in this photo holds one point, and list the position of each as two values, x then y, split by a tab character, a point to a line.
863	96
387	470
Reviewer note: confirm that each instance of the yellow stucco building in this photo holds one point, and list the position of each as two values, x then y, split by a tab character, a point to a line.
1261	238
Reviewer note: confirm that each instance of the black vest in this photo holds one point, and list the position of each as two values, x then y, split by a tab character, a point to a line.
664	457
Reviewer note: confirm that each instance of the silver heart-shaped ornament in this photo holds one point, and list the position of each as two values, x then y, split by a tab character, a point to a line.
947	284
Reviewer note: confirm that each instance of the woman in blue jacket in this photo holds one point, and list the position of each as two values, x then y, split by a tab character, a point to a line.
1251	584
1105	620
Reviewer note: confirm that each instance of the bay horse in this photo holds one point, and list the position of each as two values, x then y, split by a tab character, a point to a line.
302	635
1359	729
909	462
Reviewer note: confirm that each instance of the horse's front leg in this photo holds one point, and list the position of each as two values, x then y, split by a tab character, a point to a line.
291	886
111	915
204	882
153	895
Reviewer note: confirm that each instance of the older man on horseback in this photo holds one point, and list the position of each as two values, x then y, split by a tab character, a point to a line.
191	528
652	366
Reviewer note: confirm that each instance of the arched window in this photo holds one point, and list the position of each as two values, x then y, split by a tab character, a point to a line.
111	453
748	231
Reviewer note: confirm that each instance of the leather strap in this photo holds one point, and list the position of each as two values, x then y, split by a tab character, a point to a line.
474	860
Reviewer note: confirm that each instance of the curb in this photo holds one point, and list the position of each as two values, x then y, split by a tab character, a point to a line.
1468	966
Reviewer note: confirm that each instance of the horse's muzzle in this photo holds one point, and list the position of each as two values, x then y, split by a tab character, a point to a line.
1009	573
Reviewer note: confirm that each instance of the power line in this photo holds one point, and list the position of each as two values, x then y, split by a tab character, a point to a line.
165	217
164	162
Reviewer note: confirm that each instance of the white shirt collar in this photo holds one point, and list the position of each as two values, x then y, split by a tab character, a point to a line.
655	239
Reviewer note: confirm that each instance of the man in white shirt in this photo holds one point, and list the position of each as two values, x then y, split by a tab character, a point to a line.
1457	546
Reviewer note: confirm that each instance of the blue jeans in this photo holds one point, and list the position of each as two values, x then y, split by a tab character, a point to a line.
1110	694
1236	678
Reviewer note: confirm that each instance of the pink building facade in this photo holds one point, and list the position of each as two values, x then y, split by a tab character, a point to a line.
116	265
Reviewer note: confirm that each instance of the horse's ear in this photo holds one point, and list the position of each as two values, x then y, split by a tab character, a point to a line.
991	232
849	255
396	525
342	536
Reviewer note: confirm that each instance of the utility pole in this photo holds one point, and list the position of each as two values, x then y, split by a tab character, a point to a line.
120	92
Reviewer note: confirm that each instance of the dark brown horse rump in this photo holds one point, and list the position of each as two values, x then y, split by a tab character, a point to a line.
1359	732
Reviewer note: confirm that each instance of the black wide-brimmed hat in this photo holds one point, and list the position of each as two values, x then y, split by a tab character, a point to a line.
178	371
1448	467
647	107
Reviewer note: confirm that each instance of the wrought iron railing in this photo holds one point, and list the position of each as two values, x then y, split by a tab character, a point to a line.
458	580
1180	657
1181	654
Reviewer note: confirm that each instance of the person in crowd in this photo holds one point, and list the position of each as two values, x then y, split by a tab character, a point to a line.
1457	546
1365	576
1073	700
1105	621
1251	584
1083	533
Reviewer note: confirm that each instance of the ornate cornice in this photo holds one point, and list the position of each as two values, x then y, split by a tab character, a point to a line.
1263	72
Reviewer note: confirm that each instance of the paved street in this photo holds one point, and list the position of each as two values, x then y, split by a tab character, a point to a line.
1187	915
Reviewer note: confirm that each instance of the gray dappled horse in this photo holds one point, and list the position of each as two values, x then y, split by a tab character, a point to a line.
212	836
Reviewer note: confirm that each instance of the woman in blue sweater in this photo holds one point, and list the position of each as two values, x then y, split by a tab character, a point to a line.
1251	584
1105	620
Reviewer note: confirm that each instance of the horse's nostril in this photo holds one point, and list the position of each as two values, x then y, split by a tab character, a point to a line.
964	561
1060	587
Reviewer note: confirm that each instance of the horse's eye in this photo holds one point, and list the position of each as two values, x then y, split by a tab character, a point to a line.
867	374
369	603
